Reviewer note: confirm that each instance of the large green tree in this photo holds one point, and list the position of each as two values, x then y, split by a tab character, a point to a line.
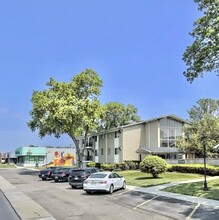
68	108
203	55
204	107
203	130
117	114
199	133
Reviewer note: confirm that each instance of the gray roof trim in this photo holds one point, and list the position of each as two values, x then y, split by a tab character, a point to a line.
172	116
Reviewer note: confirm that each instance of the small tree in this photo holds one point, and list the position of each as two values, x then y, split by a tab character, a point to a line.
153	165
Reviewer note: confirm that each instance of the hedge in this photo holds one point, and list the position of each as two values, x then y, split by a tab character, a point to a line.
193	169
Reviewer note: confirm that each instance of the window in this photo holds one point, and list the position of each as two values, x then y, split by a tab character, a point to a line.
96	154
101	151
95	138
116	151
108	151
116	134
115	175
170	131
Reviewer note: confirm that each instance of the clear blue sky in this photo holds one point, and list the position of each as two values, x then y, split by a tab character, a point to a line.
135	46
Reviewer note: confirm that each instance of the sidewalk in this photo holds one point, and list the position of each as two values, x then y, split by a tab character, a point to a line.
156	190
23	205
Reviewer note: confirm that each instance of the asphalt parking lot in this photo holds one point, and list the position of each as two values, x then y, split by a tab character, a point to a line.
63	202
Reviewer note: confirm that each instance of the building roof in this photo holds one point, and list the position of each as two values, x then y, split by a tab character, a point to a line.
158	150
171	116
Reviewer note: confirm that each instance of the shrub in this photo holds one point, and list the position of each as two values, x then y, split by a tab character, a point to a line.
109	167
153	165
122	166
198	169
91	164
132	165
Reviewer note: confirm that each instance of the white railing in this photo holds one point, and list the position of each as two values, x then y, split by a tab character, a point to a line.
209	161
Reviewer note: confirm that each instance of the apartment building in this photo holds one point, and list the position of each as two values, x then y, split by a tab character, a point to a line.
133	142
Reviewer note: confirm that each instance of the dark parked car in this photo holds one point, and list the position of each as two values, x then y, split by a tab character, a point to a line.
62	174
57	169
46	173
77	176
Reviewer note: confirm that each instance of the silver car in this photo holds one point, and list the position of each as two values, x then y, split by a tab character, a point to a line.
104	181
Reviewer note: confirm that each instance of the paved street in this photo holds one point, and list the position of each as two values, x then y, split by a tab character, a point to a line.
63	202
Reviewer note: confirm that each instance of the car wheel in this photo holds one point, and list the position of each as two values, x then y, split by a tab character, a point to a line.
88	192
73	187
43	178
124	185
56	180
111	189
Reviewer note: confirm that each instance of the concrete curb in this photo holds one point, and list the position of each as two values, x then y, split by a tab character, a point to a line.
23	205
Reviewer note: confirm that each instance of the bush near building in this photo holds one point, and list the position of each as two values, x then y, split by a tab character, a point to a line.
154	165
194	168
128	165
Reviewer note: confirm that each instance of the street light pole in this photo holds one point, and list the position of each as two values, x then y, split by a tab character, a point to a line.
205	188
46	159
205	181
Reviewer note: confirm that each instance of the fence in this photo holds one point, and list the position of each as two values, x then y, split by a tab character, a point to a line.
209	161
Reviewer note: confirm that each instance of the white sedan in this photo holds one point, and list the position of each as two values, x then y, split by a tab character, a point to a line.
104	181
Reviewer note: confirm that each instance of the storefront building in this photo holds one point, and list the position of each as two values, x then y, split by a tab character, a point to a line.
45	156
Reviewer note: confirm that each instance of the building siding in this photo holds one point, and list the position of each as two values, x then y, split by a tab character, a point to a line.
133	138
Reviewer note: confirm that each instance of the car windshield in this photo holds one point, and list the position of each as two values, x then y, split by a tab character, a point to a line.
77	172
98	175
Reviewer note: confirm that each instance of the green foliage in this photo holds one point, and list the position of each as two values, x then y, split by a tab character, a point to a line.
137	178
198	169
117	114
203	55
153	165
203	130
109	167
132	165
68	108
196	189
122	166
204	107
91	164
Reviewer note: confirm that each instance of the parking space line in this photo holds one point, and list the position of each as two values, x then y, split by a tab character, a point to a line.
193	211
145	202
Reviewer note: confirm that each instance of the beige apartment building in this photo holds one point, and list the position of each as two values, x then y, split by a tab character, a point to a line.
133	142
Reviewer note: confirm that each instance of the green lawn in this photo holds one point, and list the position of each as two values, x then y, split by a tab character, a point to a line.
196	189
7	166
137	178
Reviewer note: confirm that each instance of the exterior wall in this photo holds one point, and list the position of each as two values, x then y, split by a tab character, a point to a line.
60	156
110	147
154	134
102	148
133	137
